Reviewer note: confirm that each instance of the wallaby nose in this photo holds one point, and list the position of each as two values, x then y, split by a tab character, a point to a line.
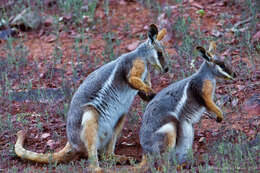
234	75
166	69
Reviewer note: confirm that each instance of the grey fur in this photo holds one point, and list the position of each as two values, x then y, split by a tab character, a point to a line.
181	103
108	90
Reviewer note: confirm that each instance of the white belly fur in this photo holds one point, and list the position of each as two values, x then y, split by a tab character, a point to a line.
118	103
113	113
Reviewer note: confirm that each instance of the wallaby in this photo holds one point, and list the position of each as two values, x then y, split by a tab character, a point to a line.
98	108
168	120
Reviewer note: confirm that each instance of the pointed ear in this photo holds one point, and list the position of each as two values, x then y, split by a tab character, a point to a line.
161	34
204	53
212	47
152	33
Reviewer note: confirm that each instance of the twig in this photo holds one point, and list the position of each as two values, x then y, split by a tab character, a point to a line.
236	25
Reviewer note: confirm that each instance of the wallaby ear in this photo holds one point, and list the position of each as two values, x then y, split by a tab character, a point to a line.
161	34
212	47
153	32
204	53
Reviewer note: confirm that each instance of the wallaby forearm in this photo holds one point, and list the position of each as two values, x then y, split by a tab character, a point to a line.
138	84
211	106
146	97
207	97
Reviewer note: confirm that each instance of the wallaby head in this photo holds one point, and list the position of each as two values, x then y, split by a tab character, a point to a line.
158	57
219	67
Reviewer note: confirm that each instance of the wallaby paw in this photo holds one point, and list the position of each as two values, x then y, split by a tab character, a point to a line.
219	119
149	91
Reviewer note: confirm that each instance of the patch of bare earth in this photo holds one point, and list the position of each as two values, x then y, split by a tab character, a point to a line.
52	136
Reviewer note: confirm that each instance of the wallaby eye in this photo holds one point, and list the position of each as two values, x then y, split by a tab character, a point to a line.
159	54
222	66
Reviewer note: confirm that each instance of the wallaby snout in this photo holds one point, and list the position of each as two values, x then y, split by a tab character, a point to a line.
166	69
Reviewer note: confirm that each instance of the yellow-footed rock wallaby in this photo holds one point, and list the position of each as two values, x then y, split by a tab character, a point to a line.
169	117
98	108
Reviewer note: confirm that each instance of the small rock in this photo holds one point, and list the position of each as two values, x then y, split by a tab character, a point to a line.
26	20
50	143
84	8
146	27
49	21
234	102
45	135
252	105
240	87
170	8
216	33
51	38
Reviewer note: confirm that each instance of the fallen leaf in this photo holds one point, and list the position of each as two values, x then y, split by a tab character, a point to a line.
216	33
51	38
240	87
202	139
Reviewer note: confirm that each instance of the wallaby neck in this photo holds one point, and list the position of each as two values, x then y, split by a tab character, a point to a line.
206	71
142	50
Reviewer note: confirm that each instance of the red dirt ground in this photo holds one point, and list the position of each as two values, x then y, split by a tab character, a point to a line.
138	17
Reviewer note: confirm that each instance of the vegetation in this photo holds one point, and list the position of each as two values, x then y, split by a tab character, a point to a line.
40	68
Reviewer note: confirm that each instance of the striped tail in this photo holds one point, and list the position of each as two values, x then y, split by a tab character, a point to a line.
63	155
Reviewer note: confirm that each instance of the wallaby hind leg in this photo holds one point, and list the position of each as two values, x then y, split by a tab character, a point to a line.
164	139
111	145
185	140
89	136
168	132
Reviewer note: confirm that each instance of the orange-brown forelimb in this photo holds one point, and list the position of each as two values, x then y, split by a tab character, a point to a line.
135	75
207	97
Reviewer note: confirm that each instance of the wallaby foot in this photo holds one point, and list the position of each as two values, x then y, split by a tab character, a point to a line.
121	159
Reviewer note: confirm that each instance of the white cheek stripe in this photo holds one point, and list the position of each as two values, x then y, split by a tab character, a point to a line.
157	60
169	127
223	72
